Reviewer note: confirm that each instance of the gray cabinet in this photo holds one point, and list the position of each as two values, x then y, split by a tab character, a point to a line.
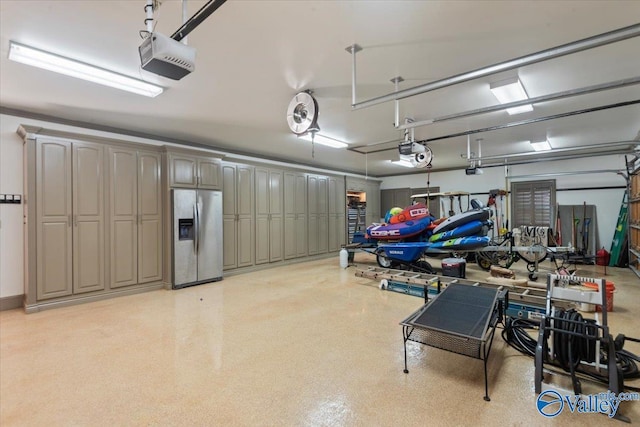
238	215
88	217
295	215
373	202
135	201
269	192
54	235
70	218
208	170
194	171
318	214
337	207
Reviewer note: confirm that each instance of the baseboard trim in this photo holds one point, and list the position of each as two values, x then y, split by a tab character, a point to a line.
9	303
267	265
46	305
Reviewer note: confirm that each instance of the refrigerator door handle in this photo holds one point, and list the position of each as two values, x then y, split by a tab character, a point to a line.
196	226
198	243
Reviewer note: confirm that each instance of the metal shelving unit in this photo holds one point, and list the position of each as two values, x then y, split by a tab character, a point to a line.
356	218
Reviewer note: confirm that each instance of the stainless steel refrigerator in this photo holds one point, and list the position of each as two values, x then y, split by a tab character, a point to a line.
197	237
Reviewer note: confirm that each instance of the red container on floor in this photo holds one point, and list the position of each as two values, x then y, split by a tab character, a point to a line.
609	290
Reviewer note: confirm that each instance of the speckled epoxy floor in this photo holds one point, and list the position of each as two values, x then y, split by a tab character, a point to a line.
304	344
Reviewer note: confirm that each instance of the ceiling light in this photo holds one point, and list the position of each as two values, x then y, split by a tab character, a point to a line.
59	64
324	140
541	146
511	90
405	163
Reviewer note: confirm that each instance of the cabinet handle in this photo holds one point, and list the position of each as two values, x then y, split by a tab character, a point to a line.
69	220
75	220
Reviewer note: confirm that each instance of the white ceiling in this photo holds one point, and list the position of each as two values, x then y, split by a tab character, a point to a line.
254	56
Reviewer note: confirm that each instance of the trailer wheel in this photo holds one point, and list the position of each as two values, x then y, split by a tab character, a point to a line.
423	267
483	263
383	261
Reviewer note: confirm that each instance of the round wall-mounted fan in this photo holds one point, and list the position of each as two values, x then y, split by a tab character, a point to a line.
423	159
302	114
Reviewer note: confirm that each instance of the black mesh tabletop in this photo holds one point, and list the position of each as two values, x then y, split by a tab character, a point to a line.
460	309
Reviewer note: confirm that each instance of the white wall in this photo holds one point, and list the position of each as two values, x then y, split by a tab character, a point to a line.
607	201
11	237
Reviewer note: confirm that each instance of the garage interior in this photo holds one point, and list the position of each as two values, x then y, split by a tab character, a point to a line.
272	228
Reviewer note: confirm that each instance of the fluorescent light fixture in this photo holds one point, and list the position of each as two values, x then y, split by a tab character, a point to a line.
511	90
401	162
324	140
70	67
541	146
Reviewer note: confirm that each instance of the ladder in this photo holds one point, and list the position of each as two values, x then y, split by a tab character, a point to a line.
619	242
414	282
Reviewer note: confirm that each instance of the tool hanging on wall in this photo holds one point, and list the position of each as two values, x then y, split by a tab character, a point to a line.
585	229
558	226
573	227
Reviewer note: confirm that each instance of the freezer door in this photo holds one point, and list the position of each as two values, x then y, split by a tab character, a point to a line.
210	237
185	261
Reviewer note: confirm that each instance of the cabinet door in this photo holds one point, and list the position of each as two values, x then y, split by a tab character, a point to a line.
229	219
88	217
336	195
54	274
313	226
301	215
289	199
182	171
209	173
323	215
262	215
149	217
276	249
123	208
245	207
341	212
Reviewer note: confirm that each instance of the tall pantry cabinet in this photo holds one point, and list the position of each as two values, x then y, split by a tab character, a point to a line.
237	215
295	215
269	220
93	219
135	201
69	218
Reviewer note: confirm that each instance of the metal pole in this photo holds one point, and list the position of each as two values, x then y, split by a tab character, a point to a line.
504	126
353	49
544	55
551	97
540	119
184	19
543	175
562	150
396	81
556	158
197	18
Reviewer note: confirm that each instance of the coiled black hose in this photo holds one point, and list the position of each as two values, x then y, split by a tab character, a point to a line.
516	334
